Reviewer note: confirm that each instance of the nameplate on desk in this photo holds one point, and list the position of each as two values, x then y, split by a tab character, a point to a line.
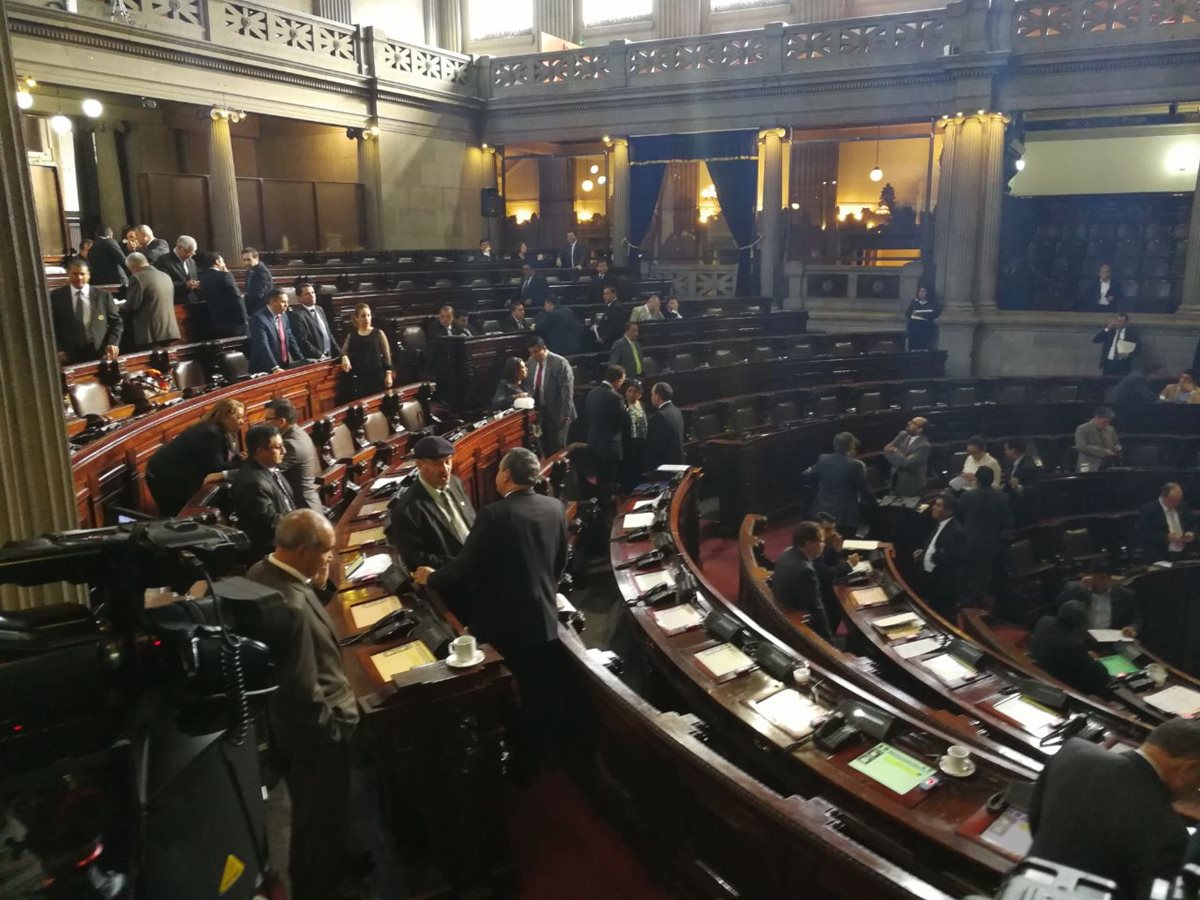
399	660
367	614
366	536
1029	714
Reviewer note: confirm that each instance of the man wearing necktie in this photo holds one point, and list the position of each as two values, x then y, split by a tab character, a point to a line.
87	323
309	324
1164	526
260	492
627	353
273	347
534	288
574	256
430	519
551	383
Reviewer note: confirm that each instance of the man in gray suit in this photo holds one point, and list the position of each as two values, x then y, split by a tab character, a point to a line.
650	311
908	454
150	304
841	484
300	465
1096	442
551	384
627	353
314	713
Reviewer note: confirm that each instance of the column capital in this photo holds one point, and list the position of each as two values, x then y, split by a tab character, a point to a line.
783	132
610	141
961	117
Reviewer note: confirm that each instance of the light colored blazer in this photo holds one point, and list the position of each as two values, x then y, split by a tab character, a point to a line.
150	306
1090	444
643	314
909	461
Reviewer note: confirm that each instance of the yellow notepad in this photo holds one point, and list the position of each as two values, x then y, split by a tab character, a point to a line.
373	509
366	536
872	596
401	659
367	614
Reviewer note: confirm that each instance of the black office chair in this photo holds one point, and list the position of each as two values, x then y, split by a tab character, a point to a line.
683	362
870	401
785	414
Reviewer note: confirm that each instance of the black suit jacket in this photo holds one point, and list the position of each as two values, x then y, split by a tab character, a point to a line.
664	437
419	531
797	587
611	327
181	271
1150	533
573	258
1026	472
605	421
177	469
1088	297
259	500
1109	814
155	249
515	554
535	291
106	260
1125	611
308	333
1105	337
986	514
83	342
841	484
596	291
948	578
1065	656
223	302
510	325
559	329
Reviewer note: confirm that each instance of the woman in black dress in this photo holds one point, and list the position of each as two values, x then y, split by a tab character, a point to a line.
207	451
366	359
919	321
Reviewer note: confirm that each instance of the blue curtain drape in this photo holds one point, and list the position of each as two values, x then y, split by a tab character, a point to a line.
645	182
736	182
733	154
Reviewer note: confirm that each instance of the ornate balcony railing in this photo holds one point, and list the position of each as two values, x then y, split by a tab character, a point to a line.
1041	25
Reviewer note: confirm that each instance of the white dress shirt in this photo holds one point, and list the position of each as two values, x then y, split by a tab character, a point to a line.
927	563
1117	338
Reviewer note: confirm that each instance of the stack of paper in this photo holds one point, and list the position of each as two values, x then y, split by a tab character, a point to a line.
1176	700
1107	635
1009	834
872	596
677	619
651	580
789	711
372	566
374	508
367	614
366	536
723	661
1030	714
853	546
900	626
633	521
910	649
948	668
387	481
401	659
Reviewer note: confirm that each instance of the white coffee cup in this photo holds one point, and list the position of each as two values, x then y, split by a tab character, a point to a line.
463	648
801	674
958	758
1157	673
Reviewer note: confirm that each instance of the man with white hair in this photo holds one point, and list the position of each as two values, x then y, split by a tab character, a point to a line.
149	245
182	268
149	304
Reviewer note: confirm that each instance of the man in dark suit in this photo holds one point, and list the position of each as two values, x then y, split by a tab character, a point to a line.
223	304
551	384
794	579
259	491
610	325
943	558
1023	474
150	305
1119	345
430	519
516	553
300	466
1108	605
182	268
1135	387
986	515
273	347
1163	529
605	424
1059	645
441	325
314	713
626	352
574	256
664	433
515	321
1099	293
601	280
672	310
150	246
558	327
841	484
1110	814
258	281
107	260
534	288
87	323
309	325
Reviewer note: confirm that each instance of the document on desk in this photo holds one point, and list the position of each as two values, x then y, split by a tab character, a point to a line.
916	648
872	596
1010	833
637	520
366	536
1030	714
677	619
651	580
887	623
1107	635
372	566
673	467
854	546
373	508
948	668
645	504
790	711
1176	700
386	481
401	659
723	661
367	614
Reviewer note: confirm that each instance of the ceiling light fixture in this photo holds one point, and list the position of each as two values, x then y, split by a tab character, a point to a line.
92	108
60	124
24	98
587	184
603	179
876	173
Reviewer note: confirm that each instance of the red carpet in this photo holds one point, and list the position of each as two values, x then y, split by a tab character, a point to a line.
719	556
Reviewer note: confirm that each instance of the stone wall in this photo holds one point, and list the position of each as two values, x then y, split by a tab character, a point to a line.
431	190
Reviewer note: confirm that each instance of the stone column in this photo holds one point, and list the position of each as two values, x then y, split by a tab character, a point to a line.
991	189
821	10
370	177
561	18
680	18
113	210
36	493
337	10
450	25
429	14
618	179
770	158
1191	269
222	192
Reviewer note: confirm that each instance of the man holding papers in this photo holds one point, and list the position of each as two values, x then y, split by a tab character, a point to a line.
1118	342
1163	529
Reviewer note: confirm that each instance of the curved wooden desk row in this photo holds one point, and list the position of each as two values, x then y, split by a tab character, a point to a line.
752	476
933	833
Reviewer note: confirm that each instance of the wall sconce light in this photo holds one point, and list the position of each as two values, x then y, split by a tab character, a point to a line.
24	98
603	179
594	169
60	124
587	184
92	108
795	206
371	132
607	140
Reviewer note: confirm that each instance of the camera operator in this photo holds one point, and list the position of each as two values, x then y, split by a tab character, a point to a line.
1110	813
314	713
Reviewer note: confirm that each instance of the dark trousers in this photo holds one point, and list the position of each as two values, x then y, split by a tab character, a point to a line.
538	671
318	780
554	434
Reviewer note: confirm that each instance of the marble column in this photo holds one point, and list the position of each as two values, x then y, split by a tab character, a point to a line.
821	10
113	210
1191	269
770	158
560	18
450	26
370	177
618	179
337	10
942	238
36	492
429	14
991	195
680	18
222	192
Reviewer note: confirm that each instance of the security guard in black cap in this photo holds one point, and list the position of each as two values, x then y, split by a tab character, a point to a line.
431	518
